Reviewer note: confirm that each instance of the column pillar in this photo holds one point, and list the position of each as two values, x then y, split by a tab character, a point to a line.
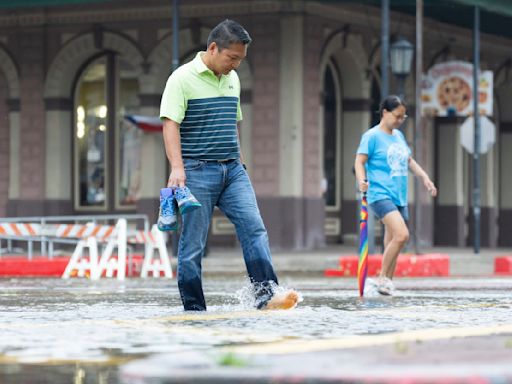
449	219
59	157
291	99
29	130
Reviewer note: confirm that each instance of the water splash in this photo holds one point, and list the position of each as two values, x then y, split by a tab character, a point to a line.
247	294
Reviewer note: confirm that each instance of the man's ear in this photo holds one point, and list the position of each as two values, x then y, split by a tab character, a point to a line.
212	47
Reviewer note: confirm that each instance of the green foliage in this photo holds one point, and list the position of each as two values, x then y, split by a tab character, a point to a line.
231	360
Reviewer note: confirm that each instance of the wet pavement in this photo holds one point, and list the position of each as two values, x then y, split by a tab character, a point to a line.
78	331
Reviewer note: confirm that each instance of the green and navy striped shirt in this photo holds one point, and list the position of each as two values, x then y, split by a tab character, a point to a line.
207	109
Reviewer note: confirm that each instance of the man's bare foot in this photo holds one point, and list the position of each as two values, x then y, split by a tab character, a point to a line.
284	300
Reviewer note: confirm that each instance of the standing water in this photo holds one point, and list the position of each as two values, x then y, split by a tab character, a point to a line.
78	331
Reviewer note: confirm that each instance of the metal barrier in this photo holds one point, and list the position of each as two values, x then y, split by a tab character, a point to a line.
19	229
94	235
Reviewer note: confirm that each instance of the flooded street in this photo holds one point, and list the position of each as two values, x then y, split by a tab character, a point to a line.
78	331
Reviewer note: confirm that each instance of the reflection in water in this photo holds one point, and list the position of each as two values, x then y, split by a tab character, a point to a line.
58	374
80	331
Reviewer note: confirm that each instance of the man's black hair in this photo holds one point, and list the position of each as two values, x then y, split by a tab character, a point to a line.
228	32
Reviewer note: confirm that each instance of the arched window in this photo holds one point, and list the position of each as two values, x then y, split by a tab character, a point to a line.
106	145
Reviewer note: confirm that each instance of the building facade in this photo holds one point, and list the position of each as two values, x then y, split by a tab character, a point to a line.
72	76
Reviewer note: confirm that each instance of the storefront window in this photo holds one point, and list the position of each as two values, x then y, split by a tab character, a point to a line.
107	144
91	137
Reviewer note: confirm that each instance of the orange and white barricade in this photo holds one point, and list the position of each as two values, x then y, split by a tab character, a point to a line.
82	265
100	232
20	229
109	263
115	237
86	260
153	240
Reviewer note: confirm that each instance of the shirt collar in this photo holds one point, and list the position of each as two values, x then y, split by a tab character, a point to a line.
199	64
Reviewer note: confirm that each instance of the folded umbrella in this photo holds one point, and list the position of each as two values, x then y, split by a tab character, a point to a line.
362	267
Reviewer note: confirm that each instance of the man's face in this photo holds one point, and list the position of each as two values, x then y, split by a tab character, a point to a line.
227	59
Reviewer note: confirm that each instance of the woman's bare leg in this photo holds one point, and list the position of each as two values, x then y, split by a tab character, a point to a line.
395	238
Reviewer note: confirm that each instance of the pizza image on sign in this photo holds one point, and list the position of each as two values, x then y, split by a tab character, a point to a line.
454	92
447	90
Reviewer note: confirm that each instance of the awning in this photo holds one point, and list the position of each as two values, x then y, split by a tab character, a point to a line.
495	14
46	3
502	7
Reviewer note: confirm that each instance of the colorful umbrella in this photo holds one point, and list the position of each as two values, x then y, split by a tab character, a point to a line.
362	267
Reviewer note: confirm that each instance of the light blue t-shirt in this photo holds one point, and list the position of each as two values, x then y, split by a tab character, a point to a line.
387	165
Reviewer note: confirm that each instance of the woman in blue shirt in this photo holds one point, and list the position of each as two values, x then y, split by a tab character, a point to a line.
382	163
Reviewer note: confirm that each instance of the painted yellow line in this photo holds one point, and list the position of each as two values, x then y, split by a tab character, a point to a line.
305	346
173	318
215	315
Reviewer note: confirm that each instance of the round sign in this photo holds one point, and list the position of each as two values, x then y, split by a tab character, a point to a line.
487	134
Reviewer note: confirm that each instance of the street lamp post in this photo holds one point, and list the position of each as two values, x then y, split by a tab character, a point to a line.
401	54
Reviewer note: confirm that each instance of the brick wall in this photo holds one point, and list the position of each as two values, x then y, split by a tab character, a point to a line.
313	41
32	118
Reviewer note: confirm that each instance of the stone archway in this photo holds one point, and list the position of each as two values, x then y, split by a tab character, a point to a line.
160	58
58	94
64	68
9	130
10	72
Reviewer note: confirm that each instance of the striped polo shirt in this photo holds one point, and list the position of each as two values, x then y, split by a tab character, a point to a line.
207	109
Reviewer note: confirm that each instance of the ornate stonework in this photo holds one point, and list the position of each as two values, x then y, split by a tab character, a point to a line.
10	72
71	57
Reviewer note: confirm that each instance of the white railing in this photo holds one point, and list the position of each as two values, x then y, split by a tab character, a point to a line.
47	242
92	233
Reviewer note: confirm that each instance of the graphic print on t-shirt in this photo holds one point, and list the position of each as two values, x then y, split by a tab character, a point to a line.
397	159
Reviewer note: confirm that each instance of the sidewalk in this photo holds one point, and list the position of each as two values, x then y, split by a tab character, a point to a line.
463	262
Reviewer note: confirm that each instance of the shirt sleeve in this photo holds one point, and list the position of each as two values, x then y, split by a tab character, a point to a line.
173	104
364	145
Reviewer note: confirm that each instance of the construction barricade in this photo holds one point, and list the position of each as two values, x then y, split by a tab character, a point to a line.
101	250
112	264
153	241
91	235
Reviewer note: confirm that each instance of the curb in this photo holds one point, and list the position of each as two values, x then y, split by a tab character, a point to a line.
503	265
38	267
428	265
16	266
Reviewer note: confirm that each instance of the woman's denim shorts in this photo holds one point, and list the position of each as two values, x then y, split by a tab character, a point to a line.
382	207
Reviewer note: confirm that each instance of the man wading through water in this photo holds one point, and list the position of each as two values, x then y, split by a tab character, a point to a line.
200	110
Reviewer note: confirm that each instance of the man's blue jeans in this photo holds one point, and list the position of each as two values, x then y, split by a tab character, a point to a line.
227	186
